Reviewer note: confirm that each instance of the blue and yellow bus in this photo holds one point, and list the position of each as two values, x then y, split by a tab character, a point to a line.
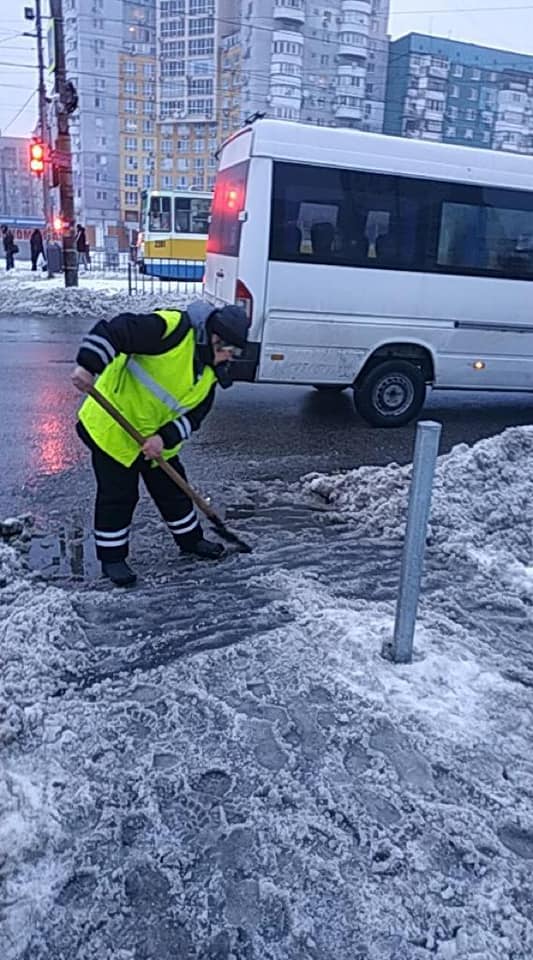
173	233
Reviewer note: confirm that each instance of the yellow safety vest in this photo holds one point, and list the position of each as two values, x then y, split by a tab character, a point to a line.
149	391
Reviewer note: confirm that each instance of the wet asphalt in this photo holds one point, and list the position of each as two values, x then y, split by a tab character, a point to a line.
255	432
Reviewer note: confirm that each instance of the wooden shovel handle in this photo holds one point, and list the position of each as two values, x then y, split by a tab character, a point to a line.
165	466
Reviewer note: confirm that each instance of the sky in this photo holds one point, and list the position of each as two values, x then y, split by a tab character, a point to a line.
489	22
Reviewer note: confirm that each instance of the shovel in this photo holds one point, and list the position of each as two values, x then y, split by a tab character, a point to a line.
216	522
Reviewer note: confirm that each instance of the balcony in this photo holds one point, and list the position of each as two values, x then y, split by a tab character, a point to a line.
356	6
353	44
349	108
293	10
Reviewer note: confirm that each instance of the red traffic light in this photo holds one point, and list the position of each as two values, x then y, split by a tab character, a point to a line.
59	224
37	157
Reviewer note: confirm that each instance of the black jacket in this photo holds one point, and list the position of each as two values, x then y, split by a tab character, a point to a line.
36	242
9	241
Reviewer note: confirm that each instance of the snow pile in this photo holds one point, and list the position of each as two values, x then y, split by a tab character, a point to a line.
482	498
281	791
100	296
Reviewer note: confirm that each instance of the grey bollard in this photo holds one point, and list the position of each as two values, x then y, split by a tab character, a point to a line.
424	461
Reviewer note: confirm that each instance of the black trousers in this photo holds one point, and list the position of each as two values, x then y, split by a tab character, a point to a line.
117	496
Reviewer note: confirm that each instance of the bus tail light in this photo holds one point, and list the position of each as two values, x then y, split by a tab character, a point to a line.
244	299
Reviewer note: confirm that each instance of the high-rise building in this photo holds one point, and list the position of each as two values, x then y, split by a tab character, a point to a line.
444	90
110	56
223	60
319	63
21	192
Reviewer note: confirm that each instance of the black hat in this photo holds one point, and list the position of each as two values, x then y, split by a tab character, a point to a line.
231	324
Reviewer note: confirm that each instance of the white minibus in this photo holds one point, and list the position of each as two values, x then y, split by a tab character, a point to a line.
379	263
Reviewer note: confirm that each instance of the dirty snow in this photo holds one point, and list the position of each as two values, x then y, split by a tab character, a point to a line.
219	765
103	294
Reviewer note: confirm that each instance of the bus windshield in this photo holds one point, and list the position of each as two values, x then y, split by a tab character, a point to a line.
160	215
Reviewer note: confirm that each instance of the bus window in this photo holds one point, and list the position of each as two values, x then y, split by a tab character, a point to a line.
200	208
182	215
160	215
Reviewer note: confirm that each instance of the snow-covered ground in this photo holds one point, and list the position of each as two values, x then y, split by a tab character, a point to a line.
100	294
219	765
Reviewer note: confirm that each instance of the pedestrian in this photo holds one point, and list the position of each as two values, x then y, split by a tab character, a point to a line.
161	370
10	247
36	248
82	246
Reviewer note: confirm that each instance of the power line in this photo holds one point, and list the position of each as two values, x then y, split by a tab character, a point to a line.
22	109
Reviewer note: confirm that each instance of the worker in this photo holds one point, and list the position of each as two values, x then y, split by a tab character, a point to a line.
160	370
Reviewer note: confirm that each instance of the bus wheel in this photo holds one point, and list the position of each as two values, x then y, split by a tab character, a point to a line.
391	394
330	387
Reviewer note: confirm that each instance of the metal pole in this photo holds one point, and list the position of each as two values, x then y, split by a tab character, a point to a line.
425	458
43	130
63	151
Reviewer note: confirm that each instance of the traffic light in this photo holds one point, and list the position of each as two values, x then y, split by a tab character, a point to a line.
37	157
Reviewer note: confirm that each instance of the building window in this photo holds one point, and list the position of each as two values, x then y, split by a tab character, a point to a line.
130	86
201	47
476	74
458	70
131	180
183	164
199	145
129	106
470	114
199	165
200	25
148	126
474	93
451	132
454	92
148	145
437	106
166	183
131	143
131	197
201	107
198	7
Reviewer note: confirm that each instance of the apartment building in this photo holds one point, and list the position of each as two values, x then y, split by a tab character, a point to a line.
110	55
138	135
323	63
21	193
223	60
454	92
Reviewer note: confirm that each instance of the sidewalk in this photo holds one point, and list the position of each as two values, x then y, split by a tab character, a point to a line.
220	762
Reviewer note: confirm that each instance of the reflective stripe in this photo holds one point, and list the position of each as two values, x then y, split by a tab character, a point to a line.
104	357
108	347
111	543
147	381
184	427
177	523
112	533
182	530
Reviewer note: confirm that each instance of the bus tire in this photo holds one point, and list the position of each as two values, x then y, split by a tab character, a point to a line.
390	394
330	387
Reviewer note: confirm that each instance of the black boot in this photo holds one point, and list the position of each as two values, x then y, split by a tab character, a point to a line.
120	573
204	550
